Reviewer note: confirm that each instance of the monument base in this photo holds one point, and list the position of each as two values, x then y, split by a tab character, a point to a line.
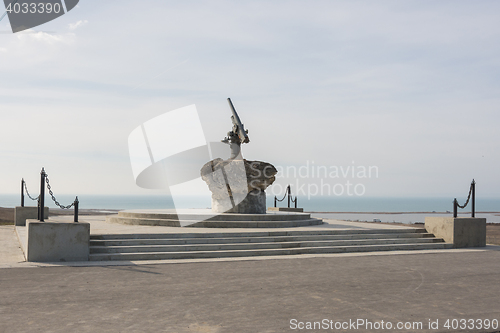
254	203
204	218
461	231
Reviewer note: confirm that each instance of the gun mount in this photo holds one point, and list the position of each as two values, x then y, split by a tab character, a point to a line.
238	185
237	135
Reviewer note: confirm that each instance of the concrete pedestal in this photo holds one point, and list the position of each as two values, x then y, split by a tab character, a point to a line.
237	185
461	231
254	203
205	218
57	241
285	209
21	214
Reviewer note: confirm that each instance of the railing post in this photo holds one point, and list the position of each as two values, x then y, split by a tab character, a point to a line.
274	201
42	195
288	190
76	210
455	204
22	192
473	208
295	202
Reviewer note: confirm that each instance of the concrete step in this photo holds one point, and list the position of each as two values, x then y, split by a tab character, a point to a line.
260	239
265	252
258	224
257	243
257	246
143	221
205	218
208	215
258	233
272	223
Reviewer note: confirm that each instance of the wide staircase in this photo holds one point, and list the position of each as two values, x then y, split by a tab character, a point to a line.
258	243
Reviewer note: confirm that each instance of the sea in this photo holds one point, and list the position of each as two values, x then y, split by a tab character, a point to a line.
349	208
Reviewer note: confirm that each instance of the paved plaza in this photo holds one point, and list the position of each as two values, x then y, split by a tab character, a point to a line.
264	294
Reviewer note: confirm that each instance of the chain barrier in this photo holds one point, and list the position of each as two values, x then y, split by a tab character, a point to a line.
53	197
28	193
472	195
282	198
288	192
468	198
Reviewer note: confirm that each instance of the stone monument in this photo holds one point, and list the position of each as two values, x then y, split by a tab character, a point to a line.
238	185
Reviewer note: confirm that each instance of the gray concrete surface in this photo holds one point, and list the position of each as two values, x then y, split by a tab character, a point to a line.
206	218
98	225
10	247
246	294
285	209
21	214
402	217
52	241
253	296
460	231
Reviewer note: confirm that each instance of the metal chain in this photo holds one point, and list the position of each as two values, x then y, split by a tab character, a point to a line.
28	193
53	197
468	198
286	192
291	196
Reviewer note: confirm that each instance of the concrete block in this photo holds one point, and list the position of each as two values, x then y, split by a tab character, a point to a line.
285	209
57	241
21	214
253	203
461	231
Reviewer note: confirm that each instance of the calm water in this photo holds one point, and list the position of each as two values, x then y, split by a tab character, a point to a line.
314	204
366	204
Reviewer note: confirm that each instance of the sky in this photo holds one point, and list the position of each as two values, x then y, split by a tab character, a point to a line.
410	88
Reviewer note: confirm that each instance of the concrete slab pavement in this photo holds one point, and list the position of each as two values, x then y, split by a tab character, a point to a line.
258	294
98	225
13	256
255	296
10	248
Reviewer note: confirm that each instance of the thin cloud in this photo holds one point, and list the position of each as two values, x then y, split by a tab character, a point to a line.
41	36
408	88
76	25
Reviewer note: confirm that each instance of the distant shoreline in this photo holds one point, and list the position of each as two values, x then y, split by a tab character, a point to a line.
104	211
460	213
404	218
338	205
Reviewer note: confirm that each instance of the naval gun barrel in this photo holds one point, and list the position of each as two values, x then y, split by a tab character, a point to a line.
238	129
